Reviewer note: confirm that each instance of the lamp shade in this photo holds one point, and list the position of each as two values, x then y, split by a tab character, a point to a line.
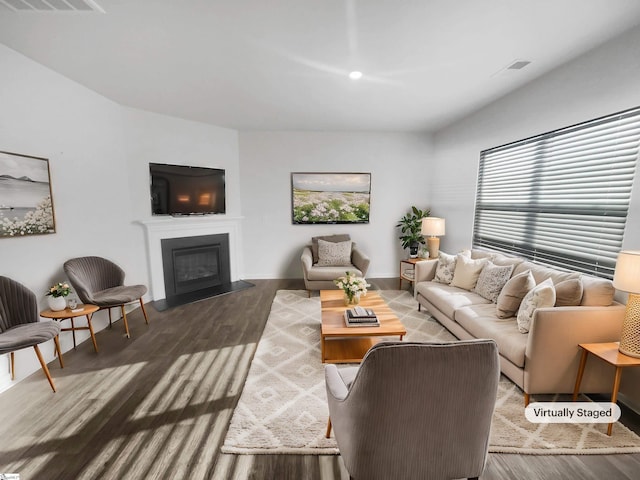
432	226
627	274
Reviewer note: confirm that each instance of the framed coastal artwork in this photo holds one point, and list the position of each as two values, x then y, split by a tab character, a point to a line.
330	197
26	207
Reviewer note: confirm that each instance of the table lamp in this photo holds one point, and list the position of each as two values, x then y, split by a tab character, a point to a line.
433	227
627	279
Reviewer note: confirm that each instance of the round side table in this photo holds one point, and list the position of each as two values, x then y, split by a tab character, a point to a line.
67	313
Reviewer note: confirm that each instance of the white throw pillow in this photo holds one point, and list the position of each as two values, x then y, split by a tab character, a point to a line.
492	279
467	272
541	296
445	268
334	254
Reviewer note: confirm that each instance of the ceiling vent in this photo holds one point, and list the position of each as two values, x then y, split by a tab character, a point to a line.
512	68
44	6
518	65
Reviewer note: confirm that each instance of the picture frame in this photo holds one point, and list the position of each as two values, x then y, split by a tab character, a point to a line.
26	201
330	198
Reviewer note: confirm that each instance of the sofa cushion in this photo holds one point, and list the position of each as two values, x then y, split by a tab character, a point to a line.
492	279
541	296
446	298
446	267
326	238
569	293
332	254
541	273
597	292
512	294
481	322
330	273
467	271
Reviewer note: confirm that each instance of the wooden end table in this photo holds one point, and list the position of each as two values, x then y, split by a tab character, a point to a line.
342	344
408	278
67	313
610	354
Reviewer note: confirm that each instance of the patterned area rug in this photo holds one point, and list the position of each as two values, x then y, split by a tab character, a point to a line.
283	407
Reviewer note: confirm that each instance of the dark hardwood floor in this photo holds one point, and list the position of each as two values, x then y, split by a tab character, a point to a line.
158	406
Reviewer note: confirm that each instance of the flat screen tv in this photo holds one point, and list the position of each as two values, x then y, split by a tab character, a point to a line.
185	190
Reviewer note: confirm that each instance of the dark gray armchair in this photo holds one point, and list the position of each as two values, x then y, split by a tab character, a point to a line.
100	282
20	325
320	277
415	410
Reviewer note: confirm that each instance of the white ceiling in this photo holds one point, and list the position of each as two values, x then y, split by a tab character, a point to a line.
283	64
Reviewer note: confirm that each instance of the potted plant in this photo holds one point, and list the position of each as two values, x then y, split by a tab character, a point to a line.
410	228
57	294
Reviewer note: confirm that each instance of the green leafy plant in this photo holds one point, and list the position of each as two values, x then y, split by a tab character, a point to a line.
59	290
410	226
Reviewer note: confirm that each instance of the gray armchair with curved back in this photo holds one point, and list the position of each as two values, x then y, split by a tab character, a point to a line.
100	282
415	410
320	271
20	325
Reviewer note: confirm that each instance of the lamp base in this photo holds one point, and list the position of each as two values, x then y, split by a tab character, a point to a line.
433	245
630	339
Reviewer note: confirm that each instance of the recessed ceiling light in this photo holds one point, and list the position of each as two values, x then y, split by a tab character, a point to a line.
355	75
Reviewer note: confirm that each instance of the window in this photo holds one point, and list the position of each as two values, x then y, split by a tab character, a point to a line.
560	198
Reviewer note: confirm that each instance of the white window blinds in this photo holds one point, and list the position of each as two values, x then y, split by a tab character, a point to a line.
560	198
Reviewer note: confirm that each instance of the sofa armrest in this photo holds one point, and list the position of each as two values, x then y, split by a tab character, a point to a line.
425	271
552	354
307	260
360	260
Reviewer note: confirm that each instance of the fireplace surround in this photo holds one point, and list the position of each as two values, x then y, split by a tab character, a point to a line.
181	227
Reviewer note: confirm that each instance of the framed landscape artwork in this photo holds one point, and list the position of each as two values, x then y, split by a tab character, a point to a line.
25	196
330	197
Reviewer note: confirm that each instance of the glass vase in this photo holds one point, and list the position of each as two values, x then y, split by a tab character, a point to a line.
351	300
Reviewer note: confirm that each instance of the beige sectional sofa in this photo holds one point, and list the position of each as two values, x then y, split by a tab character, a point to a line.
544	360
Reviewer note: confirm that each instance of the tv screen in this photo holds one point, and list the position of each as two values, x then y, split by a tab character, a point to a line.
185	190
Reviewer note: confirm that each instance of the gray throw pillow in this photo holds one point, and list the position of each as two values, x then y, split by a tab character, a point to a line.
512	294
334	254
492	279
327	238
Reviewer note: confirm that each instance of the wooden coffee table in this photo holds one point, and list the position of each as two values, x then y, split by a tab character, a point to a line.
342	344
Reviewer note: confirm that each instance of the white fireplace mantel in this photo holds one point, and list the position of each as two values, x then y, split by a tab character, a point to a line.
192	226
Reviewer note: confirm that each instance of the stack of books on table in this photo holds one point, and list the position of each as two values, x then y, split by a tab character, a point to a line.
360	317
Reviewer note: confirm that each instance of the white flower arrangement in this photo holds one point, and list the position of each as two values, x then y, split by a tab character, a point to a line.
352	285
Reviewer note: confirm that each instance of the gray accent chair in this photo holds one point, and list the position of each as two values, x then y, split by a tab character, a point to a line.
100	282
20	325
318	277
415	410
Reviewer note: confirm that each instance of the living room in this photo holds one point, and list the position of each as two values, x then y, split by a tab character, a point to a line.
99	151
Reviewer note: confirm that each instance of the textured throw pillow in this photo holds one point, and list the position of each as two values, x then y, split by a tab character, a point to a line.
512	294
327	238
569	293
467	272
446	267
541	296
334	254
492	279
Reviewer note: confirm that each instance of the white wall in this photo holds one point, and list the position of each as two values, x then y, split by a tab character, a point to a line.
44	114
399	174
603	81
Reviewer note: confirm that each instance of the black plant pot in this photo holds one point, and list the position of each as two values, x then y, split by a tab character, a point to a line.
413	250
